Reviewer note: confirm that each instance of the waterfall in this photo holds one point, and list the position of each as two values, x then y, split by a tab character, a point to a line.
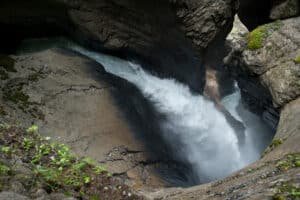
194	129
205	138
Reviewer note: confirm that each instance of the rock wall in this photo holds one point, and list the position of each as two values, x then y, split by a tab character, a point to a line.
265	179
268	72
170	36
255	12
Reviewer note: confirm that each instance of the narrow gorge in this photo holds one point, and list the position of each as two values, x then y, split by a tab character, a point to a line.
172	99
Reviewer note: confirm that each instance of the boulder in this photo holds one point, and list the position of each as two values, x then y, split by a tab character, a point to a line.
274	60
265	65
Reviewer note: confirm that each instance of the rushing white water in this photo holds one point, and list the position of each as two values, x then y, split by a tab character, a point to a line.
258	134
207	141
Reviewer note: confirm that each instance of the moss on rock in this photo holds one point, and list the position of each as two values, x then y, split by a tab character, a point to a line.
257	37
275	143
287	191
297	60
289	162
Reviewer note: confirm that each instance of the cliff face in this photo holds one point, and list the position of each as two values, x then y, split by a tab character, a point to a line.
255	12
267	72
272	177
171	36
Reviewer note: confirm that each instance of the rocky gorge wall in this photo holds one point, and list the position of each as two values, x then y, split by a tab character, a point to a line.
171	36
173	44
266	64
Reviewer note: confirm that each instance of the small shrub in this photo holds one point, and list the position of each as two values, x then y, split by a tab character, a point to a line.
4	170
28	144
32	129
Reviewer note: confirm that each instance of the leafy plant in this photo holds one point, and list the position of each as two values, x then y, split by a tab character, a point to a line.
6	149
32	129
28	144
4	170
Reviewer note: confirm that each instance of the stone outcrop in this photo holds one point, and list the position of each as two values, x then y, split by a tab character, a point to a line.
273	61
169	35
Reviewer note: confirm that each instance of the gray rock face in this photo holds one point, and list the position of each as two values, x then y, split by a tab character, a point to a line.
255	12
285	9
204	20
170	35
260	180
72	102
275	63
12	196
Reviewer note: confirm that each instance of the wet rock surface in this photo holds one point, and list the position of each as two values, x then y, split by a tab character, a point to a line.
68	97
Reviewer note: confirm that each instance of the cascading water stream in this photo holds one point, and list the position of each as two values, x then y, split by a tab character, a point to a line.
196	131
207	141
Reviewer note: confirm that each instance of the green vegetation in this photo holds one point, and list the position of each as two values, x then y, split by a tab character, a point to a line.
290	161
53	166
297	60
275	143
287	191
32	129
257	37
5	150
4	170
